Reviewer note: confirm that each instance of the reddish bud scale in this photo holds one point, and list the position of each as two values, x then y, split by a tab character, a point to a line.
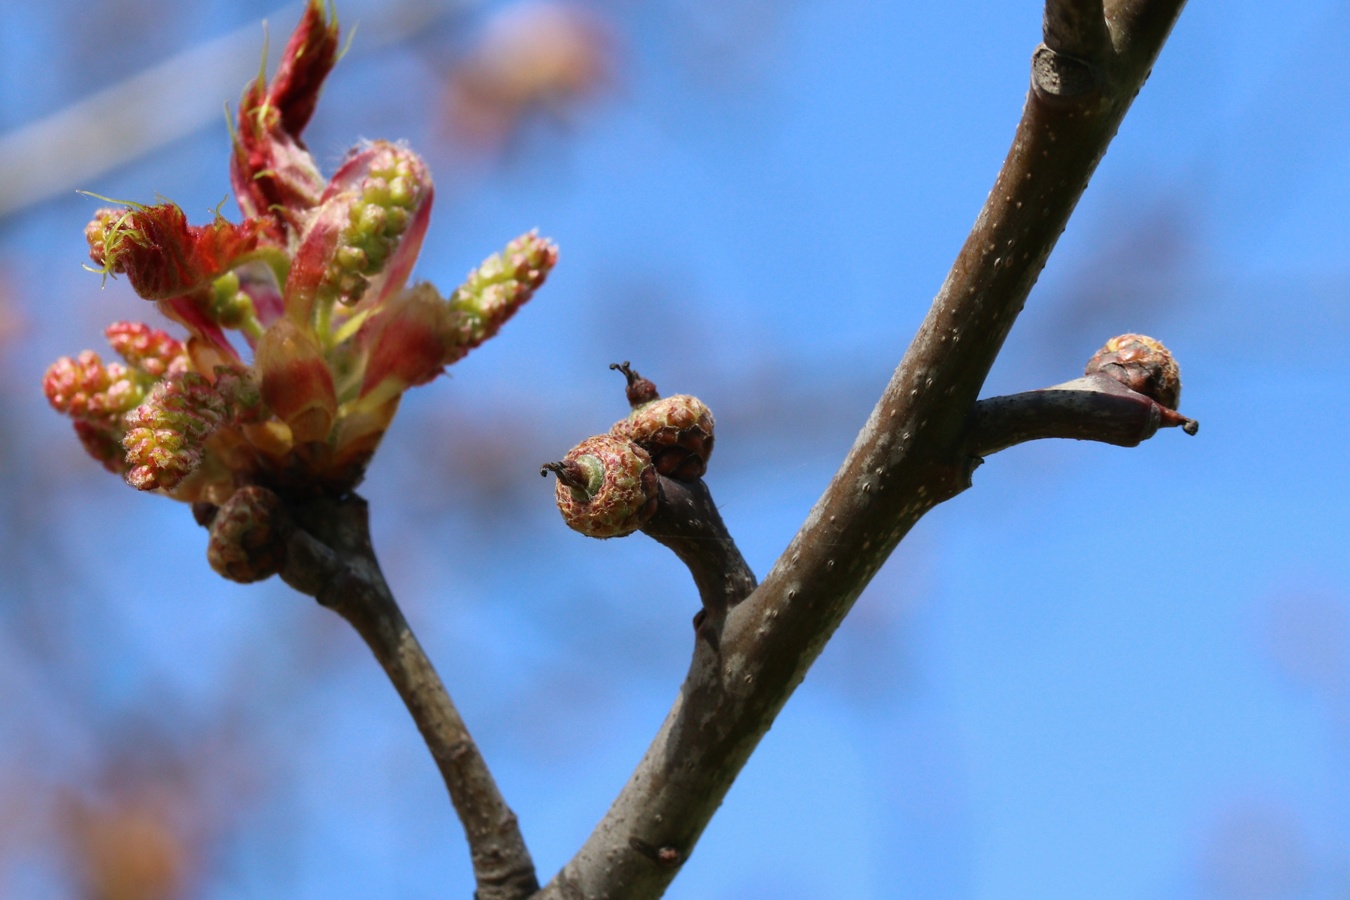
310	55
1142	364
272	172
248	536
621	490
677	432
408	341
296	381
162	255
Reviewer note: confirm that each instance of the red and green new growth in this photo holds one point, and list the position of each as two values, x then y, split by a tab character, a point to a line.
302	330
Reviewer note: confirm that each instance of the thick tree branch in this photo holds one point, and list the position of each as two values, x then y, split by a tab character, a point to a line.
912	454
1077	28
330	558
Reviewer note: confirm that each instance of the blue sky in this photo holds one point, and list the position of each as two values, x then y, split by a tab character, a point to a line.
1101	672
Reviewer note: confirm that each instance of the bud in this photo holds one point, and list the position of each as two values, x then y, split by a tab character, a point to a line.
677	432
296	381
495	290
407	339
1143	365
248	535
79	387
166	435
163	256
152	351
360	243
606	487
86	389
271	171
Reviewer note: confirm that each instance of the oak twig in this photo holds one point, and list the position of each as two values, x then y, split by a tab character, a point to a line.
687	522
913	453
1092	408
330	558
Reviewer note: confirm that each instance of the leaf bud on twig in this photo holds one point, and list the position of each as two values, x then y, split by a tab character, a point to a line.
248	535
677	432
607	487
1143	365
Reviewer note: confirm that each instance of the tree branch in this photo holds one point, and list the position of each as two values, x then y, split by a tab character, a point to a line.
911	455
330	557
1077	28
1092	408
687	522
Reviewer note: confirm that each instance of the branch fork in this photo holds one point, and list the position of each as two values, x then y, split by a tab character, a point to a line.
755	641
917	449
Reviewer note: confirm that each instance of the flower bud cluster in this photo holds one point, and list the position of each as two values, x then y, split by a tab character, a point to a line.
495	290
302	331
609	485
392	187
676	431
166	435
97	396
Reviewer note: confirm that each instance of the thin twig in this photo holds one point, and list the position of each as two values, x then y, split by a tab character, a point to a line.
911	455
1092	408
330	558
687	522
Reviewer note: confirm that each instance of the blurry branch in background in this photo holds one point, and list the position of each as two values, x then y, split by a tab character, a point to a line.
531	58
171	100
915	451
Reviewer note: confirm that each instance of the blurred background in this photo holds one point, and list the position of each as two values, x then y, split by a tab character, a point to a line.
1101	672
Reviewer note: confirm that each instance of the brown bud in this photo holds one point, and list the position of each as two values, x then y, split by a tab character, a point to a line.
677	432
248	540
1142	364
640	390
607	487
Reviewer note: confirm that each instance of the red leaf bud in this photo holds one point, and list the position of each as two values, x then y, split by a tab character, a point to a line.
296	381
